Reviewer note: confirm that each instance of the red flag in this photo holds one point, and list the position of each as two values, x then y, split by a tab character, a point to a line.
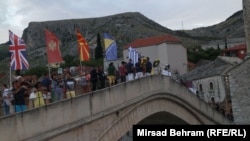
83	47
53	49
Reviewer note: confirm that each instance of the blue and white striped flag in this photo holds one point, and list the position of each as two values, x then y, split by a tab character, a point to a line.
133	54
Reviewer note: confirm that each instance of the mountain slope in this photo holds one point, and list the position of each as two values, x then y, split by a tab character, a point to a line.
232	27
125	27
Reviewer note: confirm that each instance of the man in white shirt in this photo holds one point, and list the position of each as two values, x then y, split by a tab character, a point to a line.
6	99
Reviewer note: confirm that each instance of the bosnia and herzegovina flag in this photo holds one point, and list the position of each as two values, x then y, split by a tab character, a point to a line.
110	47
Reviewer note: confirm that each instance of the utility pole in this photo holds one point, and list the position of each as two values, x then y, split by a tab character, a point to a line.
182	25
246	15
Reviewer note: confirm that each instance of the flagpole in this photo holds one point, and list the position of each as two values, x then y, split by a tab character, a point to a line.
10	77
81	65
80	59
49	71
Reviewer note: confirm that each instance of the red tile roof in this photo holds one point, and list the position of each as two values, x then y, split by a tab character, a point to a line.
191	65
153	41
238	47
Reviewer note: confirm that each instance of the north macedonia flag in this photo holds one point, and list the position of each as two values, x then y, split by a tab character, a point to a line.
82	46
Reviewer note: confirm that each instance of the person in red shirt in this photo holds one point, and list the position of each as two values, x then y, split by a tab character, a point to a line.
122	72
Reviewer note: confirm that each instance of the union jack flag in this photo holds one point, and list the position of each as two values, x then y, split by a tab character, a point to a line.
18	56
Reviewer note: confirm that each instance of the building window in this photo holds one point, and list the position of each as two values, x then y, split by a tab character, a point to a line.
211	86
212	100
200	88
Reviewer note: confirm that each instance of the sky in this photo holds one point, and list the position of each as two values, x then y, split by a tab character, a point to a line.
15	15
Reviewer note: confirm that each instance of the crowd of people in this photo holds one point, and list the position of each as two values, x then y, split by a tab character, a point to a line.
27	94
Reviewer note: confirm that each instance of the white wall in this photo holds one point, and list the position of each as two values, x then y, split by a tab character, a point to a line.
173	54
177	57
219	88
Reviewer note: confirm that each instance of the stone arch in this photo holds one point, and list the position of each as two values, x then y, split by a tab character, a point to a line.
162	118
148	106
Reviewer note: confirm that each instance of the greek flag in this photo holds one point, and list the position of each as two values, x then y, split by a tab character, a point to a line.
133	54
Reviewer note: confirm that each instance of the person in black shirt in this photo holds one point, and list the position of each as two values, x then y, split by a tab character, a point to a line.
101	77
94	78
148	67
19	91
130	70
138	69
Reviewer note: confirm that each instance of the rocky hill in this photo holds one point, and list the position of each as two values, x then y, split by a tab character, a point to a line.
232	27
125	27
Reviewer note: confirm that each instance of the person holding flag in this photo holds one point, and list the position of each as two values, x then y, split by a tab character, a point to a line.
54	57
133	56
18	61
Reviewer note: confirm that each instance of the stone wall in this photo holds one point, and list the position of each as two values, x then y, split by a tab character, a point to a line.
239	79
246	15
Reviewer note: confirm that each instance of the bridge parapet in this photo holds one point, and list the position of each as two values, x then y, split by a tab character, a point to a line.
57	118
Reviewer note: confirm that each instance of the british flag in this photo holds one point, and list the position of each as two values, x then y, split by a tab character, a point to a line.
18	56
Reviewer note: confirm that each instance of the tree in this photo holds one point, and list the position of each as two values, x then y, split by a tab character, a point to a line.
70	61
226	43
197	53
38	71
98	49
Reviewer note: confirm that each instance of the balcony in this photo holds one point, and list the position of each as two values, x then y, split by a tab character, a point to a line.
211	92
200	95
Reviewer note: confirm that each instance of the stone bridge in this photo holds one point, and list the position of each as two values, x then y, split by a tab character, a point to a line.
106	115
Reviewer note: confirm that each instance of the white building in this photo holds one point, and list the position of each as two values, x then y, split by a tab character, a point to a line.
210	79
168	49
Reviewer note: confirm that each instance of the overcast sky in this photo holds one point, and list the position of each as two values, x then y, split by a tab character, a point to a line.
15	15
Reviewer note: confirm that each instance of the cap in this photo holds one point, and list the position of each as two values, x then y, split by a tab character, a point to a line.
18	77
